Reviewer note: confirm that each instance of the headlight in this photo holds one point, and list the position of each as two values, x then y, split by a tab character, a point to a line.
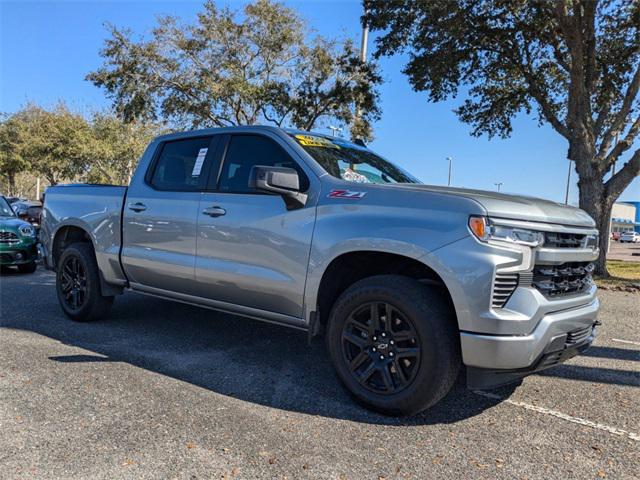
485	231
27	230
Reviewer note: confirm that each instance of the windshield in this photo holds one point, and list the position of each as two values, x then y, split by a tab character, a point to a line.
5	208
351	162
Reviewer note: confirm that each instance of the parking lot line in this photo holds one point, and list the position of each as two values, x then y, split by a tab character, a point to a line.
569	418
626	341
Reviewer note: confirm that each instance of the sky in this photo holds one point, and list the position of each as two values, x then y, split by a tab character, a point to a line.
47	48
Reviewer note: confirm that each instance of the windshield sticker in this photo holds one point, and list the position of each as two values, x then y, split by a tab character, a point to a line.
350	194
197	167
353	176
314	141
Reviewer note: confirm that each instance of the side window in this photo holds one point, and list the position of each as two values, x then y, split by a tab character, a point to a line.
246	151
180	164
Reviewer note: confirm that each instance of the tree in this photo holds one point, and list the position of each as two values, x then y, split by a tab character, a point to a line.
55	143
116	147
11	161
222	71
576	62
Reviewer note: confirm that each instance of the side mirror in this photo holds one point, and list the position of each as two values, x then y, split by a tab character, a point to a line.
281	180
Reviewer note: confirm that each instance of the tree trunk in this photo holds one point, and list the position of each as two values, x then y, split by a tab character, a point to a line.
11	183
595	201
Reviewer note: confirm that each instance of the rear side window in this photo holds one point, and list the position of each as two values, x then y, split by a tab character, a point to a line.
180	164
246	151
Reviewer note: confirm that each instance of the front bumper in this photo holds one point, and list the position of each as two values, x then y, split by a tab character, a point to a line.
501	343
494	360
18	254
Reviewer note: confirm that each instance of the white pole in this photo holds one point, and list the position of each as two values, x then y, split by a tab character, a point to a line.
566	195
449	181
38	188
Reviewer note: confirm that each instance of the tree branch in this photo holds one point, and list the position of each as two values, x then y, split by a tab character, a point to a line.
625	144
535	90
621	180
625	109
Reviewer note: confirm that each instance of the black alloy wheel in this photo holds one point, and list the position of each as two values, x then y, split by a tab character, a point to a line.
394	343
381	347
73	283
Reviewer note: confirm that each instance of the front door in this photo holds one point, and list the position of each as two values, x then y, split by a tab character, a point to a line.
160	217
252	251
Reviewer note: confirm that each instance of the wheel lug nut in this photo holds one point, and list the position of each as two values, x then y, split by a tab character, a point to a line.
384	334
375	338
391	354
374	349
381	357
392	342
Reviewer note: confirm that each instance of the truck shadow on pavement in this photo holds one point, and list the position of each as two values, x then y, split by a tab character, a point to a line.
232	356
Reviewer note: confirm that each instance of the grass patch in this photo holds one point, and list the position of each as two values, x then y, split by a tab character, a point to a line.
624	270
624	276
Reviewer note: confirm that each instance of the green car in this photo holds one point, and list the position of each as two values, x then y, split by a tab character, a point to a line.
17	240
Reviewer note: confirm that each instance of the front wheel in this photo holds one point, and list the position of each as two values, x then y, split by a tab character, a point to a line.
394	343
78	284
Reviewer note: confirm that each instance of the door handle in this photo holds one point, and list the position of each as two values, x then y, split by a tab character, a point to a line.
214	211
137	207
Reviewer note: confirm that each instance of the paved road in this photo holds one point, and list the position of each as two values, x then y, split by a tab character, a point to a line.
629	252
163	390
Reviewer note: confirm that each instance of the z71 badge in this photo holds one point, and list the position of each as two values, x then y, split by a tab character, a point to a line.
346	194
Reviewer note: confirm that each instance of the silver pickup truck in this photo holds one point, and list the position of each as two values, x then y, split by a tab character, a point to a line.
407	282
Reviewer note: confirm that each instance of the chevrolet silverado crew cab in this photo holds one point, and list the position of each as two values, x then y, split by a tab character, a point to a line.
407	282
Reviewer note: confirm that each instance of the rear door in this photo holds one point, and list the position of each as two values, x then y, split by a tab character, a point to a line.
252	251
161	213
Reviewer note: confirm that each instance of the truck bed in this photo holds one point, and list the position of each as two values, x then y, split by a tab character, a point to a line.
96	209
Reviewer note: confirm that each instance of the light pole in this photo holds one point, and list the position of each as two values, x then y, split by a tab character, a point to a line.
498	184
566	195
334	130
450	160
363	58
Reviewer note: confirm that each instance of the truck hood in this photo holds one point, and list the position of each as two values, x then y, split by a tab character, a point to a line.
517	207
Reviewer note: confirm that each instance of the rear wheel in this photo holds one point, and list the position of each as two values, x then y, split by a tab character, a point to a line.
394	343
78	284
28	267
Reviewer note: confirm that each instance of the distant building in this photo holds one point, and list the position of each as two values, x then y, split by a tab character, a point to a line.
625	216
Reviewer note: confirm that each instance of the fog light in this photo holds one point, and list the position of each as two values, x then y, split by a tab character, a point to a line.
19	256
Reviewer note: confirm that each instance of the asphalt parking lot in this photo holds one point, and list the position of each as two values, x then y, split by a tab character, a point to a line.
628	252
163	390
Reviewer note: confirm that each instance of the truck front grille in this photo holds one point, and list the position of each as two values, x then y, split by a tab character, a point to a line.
564	240
561	280
503	287
8	237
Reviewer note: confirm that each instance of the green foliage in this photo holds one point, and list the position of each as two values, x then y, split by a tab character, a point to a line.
116	147
59	145
223	70
11	161
54	143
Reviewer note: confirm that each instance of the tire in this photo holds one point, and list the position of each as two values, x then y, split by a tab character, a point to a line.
425	326
88	303
28	267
